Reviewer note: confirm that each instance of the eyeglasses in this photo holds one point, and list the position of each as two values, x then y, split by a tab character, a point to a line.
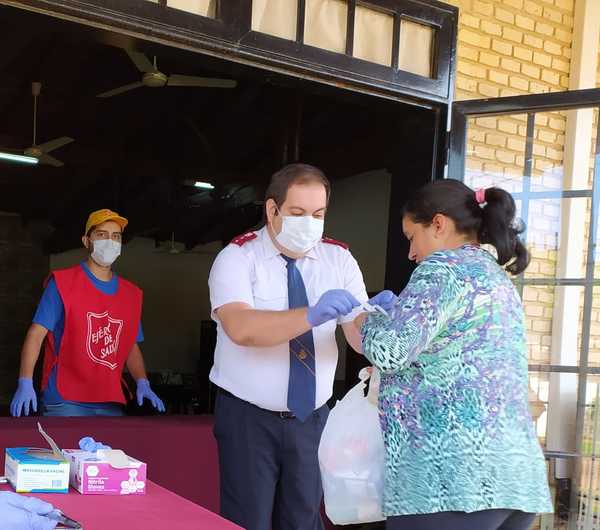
103	234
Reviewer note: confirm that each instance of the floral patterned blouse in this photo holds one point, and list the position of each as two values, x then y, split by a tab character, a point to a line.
454	391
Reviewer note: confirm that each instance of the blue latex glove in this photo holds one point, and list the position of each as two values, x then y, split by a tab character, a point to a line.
19	512
332	304
385	299
144	391
91	445
24	398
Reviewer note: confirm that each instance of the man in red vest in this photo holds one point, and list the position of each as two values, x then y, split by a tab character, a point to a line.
90	323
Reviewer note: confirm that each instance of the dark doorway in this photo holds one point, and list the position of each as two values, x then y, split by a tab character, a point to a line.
140	153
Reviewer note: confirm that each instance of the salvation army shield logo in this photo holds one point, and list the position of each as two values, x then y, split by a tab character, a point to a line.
102	342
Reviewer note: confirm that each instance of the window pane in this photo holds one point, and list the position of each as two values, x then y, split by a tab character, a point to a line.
587	508
560	490
373	35
591	429
555	238
555	164
538	402
417	43
275	17
553	318
556	424
496	152
554	321
583	513
594	344
547	171
588	487
496	147
325	24
206	8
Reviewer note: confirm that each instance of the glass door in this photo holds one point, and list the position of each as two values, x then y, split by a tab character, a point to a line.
545	150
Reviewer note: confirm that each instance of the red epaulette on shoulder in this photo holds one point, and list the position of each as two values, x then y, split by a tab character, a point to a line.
243	239
330	241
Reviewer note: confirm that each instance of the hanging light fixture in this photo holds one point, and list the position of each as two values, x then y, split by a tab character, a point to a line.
23	159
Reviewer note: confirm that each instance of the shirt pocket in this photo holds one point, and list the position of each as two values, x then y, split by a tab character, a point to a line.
270	296
319	284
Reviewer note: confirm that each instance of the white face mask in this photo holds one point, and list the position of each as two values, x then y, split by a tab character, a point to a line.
106	251
300	233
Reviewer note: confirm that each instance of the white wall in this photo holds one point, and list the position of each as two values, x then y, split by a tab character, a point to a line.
175	286
358	214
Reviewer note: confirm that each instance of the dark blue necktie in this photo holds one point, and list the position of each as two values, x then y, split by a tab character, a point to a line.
301	384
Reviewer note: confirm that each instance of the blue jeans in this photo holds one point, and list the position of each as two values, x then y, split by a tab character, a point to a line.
67	408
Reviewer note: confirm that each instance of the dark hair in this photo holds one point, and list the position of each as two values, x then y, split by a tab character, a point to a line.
493	222
292	174
92	228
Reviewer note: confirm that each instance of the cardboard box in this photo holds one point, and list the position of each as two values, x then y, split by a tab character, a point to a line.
31	470
91	474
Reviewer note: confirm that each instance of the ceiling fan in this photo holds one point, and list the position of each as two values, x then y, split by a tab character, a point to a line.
40	152
153	78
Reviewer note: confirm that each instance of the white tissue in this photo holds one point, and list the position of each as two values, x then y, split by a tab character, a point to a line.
115	457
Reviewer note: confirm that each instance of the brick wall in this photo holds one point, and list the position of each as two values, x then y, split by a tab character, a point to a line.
23	267
506	48
509	47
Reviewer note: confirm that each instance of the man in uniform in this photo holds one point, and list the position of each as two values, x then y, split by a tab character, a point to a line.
277	295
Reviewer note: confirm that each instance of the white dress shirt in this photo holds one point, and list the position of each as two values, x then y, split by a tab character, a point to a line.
251	270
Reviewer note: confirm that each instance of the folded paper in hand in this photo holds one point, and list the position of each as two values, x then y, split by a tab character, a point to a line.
374	309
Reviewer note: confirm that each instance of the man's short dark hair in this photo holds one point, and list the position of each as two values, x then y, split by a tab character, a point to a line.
292	174
92	228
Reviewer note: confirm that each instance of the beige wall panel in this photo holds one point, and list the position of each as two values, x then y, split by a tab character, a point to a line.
275	17
373	35
326	24
416	48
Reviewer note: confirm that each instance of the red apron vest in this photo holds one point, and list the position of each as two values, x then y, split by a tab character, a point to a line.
100	331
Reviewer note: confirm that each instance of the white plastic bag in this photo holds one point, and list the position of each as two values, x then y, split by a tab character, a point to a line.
351	457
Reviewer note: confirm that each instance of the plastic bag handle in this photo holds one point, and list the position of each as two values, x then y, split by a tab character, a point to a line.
365	374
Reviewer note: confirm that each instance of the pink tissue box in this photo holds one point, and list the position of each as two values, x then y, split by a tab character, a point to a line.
92	476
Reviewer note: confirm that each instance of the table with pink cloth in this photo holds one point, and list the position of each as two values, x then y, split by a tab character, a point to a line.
180	451
158	509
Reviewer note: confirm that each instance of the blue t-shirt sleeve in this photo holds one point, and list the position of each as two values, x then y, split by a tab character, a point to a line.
50	310
140	335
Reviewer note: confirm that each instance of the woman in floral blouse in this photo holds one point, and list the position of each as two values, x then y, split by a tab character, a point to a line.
461	448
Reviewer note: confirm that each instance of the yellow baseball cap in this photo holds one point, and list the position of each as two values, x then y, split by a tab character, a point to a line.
101	216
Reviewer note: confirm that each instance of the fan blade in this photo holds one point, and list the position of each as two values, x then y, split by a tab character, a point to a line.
12	151
142	62
50	161
208	82
54	144
120	90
